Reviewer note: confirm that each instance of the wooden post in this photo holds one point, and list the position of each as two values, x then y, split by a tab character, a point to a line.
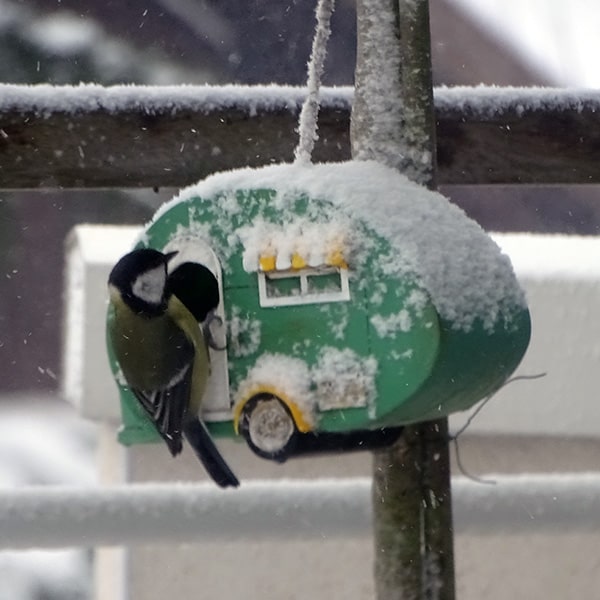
393	123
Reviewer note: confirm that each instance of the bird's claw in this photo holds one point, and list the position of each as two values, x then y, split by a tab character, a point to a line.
208	334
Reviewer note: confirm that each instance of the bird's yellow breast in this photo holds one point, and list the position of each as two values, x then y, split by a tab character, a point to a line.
152	350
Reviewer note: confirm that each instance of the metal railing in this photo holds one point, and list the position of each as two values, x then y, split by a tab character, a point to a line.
52	517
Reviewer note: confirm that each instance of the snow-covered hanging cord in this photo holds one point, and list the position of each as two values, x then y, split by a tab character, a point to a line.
307	125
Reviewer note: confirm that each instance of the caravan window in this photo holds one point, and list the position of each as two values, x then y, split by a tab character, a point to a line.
303	286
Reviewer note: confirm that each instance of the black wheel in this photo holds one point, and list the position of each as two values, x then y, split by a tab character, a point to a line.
268	427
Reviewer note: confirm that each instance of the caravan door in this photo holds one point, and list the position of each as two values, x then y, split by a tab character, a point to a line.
216	404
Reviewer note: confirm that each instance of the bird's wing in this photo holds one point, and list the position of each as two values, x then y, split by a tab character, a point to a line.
168	407
195	340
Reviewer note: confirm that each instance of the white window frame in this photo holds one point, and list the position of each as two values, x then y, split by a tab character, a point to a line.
304	297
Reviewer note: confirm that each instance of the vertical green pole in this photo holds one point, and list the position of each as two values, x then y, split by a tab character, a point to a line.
393	122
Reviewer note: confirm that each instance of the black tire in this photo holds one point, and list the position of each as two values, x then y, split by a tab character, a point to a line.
268	427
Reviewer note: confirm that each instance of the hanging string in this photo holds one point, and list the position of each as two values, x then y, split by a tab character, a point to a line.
307	124
461	430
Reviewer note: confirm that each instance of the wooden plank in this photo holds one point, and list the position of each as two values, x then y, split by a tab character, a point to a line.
517	135
133	149
173	138
412	499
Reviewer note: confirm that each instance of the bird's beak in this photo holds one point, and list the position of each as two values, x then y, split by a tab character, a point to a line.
170	255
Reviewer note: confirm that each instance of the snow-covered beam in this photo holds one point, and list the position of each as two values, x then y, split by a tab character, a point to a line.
52	517
129	136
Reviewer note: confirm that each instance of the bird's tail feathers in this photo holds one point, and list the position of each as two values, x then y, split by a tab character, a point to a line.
201	442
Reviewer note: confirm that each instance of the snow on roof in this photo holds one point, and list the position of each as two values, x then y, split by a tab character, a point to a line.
311	244
458	264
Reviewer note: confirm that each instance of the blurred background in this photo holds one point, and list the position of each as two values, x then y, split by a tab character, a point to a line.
503	42
196	41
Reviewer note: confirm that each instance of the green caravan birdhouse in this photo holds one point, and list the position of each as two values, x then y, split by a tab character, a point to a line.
351	302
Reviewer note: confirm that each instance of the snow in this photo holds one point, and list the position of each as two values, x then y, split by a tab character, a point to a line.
290	378
489	102
377	127
454	260
43	443
337	323
317	244
353	383
479	101
45	99
244	334
283	509
286	376
389	325
417	300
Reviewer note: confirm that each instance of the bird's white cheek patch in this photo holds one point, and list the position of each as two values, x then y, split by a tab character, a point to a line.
150	286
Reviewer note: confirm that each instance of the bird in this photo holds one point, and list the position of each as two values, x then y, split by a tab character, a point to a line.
163	355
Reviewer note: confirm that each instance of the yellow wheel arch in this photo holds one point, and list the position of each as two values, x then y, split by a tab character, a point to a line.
302	421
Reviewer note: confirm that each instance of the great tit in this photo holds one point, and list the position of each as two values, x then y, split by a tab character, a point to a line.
162	353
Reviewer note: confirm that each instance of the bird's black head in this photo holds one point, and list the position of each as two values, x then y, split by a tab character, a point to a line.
196	287
141	279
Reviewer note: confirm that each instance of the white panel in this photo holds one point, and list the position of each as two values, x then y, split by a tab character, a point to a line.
91	253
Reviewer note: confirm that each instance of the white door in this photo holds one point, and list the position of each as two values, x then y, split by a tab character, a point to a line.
216	404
